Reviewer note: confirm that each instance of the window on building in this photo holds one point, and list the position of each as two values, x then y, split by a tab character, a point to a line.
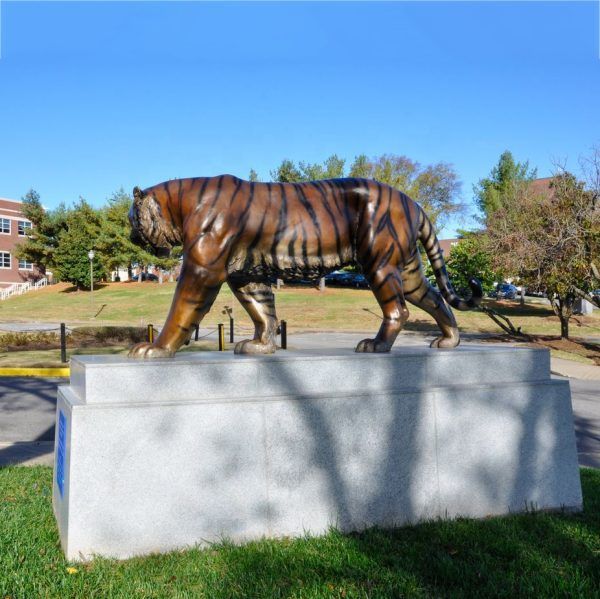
4	260
24	265
24	227
4	226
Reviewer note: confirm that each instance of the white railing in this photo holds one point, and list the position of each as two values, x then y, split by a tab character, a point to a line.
21	288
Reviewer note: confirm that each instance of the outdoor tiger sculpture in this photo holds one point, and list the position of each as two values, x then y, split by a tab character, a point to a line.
247	234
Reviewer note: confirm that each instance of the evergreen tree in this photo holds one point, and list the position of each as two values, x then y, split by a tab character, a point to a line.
82	234
491	192
42	241
253	176
114	243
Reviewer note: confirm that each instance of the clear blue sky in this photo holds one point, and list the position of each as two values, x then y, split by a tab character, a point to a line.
95	96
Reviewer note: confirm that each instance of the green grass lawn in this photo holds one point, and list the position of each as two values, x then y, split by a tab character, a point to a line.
304	309
531	555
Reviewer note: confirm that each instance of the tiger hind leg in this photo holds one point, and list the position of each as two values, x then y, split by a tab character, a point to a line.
419	292
258	300
386	285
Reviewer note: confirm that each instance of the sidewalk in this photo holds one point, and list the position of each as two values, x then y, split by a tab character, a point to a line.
575	370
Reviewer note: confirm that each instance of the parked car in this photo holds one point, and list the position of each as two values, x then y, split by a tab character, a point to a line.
359	281
343	278
146	276
534	292
505	291
337	278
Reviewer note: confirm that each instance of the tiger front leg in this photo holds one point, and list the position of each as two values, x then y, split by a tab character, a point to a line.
196	291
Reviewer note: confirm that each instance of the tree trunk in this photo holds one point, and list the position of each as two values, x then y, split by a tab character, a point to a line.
564	327
565	311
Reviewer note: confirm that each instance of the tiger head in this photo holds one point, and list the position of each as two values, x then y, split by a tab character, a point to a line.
149	227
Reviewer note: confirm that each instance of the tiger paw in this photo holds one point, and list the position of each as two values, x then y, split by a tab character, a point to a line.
372	346
149	351
254	346
445	342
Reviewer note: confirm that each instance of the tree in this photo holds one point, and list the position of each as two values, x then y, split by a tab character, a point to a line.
470	258
310	172
549	239
361	167
114	243
82	233
289	172
286	172
491	192
40	245
334	167
253	176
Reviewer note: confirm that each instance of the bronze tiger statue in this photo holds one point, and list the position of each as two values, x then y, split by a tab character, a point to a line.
247	234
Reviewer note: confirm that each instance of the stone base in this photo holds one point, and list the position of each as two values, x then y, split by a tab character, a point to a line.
158	455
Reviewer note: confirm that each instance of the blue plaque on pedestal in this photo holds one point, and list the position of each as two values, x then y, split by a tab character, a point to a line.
60	452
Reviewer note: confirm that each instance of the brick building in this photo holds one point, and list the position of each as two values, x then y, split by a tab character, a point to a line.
447	245
14	228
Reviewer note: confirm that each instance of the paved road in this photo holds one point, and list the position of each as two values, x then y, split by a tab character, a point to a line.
586	411
27	407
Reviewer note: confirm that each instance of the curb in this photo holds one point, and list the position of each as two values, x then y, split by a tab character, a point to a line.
45	372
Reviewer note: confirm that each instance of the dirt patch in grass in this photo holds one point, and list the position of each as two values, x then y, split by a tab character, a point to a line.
569	348
574	346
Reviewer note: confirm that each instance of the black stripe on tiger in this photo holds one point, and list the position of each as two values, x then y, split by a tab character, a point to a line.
338	241
281	223
313	216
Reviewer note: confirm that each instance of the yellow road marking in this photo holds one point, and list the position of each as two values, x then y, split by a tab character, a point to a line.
66	371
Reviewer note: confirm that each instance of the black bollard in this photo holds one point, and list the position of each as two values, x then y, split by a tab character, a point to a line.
283	327
63	343
196	333
230	330
221	338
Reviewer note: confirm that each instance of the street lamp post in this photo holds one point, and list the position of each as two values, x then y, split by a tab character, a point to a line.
91	257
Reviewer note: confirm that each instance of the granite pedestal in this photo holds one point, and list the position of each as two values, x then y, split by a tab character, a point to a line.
158	455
